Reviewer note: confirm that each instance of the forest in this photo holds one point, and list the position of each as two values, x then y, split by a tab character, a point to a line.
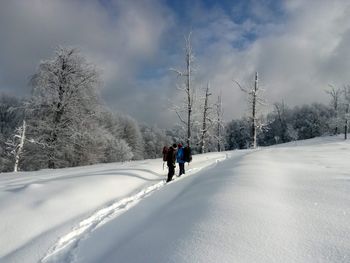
65	123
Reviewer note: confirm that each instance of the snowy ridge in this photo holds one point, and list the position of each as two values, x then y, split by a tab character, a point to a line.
288	204
69	242
71	202
99	218
275	204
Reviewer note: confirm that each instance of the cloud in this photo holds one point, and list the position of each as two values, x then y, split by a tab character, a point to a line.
297	57
298	47
120	38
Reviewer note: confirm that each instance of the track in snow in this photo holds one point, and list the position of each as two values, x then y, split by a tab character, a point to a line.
65	246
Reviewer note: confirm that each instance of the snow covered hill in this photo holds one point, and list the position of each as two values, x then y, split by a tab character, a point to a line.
289	203
39	208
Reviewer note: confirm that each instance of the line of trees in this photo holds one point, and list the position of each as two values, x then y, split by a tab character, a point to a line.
207	132
64	122
201	120
286	124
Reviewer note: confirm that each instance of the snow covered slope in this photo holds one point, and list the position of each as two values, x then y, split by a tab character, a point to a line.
280	204
289	203
38	208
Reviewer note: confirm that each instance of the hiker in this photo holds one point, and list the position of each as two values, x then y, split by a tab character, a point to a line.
187	154
165	154
180	159
171	158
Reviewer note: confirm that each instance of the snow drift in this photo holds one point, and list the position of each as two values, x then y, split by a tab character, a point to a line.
289	203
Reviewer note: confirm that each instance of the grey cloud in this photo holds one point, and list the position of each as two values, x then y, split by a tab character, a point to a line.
297	58
119	39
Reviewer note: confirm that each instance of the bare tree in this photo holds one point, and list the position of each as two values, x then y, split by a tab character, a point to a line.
335	94
205	120
20	146
346	103
219	124
15	145
11	116
254	99
188	89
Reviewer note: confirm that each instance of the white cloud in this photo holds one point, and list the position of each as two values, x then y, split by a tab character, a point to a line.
297	57
118	39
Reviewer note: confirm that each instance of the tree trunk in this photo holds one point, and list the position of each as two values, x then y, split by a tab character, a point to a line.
218	128
20	148
346	122
188	87
57	118
204	123
346	130
253	131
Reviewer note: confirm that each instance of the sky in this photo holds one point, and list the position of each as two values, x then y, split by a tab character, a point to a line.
298	47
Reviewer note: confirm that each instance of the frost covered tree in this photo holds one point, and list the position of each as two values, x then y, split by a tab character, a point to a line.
280	111
283	125
154	140
118	150
279	122
277	125
206	120
131	133
11	115
301	122
219	125
114	147
335	97
311	120
346	109
292	133
16	144
62	109
177	133
187	88
238	134
5	163
254	100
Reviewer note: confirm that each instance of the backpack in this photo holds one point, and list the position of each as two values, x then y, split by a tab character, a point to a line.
171	156
187	154
165	153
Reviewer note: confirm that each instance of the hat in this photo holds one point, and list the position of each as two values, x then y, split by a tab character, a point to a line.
174	145
179	145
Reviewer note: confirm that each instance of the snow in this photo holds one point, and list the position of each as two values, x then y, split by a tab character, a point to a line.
288	203
38	209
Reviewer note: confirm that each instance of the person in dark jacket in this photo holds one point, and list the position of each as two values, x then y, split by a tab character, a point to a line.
187	154
180	159
171	158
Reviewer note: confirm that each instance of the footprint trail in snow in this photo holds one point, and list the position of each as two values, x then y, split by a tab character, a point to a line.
71	240
64	247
